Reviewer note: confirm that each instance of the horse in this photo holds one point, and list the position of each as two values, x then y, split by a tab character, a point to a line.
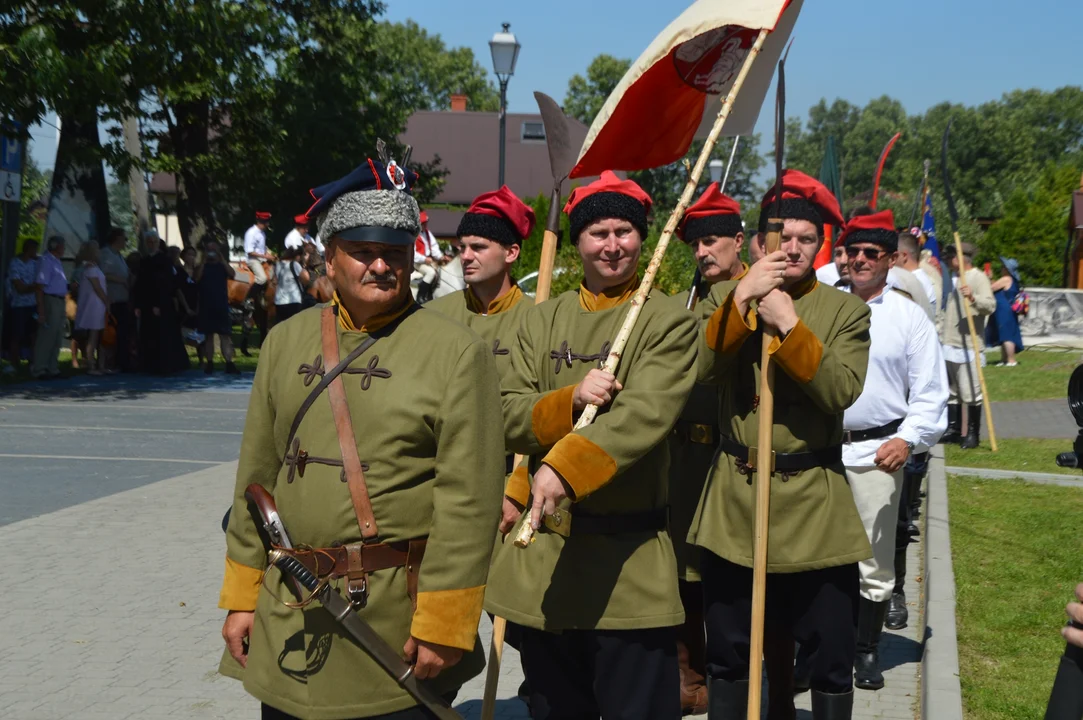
449	279
248	314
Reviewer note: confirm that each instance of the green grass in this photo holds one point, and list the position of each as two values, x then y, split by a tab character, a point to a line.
1020	454
1040	375
1016	549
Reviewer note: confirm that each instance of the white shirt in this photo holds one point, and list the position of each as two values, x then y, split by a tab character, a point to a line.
930	289
255	241
828	274
295	240
426	246
906	379
908	283
287	289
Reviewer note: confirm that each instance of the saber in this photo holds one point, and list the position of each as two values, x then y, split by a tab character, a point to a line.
370	641
693	296
988	405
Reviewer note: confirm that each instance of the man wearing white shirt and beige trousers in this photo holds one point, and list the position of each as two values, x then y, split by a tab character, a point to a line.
902	410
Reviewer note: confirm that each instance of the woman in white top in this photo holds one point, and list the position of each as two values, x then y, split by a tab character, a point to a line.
92	305
291	280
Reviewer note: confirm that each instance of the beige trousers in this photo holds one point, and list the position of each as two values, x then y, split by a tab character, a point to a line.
877	495
50	338
959	384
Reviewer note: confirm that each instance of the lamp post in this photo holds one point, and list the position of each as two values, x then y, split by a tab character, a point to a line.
505	50
716	167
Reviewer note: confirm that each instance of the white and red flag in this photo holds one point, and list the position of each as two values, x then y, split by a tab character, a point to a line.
672	93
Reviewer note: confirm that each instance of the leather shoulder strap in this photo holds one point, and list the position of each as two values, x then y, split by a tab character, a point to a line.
347	443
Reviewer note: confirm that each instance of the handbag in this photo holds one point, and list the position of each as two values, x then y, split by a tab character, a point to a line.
109	332
1021	304
307	300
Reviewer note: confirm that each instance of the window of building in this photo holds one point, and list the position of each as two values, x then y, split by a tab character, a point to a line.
533	131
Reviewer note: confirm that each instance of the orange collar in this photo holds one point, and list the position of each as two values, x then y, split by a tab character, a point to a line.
608	298
375	323
505	302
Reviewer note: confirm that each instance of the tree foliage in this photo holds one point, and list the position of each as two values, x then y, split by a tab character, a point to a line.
586	95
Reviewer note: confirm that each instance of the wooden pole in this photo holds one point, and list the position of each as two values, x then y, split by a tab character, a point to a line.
545	284
974	344
764	467
526	532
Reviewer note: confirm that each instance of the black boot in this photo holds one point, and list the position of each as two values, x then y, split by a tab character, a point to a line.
955	425
897	614
870	623
832	706
913	501
802	671
726	700
973	430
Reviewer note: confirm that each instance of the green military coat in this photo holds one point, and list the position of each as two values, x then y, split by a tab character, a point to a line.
820	372
616	466
422	399
496	324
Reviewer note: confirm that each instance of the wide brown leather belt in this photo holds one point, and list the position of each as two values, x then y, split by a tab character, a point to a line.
357	560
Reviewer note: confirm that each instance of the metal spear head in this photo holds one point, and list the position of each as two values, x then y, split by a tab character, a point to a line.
563	152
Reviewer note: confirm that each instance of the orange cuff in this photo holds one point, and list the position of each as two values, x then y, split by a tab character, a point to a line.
240	587
551	418
448	617
518	486
799	354
582	464
727	330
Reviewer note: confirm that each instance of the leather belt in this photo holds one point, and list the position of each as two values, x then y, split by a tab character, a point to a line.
783	462
695	432
854	436
358	560
649	521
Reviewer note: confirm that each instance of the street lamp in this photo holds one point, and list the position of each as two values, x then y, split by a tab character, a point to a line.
716	167
505	50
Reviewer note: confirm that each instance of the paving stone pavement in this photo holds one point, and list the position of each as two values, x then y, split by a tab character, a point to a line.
110	612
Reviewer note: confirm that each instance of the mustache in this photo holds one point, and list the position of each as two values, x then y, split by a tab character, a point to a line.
378	278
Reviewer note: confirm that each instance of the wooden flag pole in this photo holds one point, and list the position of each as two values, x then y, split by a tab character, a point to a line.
526	532
974	344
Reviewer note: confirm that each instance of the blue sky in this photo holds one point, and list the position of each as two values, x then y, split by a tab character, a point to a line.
921	52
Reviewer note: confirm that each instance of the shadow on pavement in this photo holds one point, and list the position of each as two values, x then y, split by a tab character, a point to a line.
125	387
510	709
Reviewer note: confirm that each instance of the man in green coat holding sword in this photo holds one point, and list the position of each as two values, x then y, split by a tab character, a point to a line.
390	475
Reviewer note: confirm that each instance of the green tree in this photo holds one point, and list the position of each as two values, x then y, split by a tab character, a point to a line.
1033	227
586	95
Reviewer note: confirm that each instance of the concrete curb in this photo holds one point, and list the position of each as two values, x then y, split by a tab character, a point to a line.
941	695
1040	478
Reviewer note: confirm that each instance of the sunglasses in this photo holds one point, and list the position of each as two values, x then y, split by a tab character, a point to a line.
869	253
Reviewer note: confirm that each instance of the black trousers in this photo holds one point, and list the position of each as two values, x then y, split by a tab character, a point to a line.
591	674
414	713
819	607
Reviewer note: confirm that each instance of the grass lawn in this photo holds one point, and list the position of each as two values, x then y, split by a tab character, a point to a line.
1022	454
1040	375
1017	552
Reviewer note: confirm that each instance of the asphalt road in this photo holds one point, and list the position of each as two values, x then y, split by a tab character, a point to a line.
65	442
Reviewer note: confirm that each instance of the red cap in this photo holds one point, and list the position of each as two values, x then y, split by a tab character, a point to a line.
301	219
608	183
711	203
514	219
263	215
877	228
796	185
424	216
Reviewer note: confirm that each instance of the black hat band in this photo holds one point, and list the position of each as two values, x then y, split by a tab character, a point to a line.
376	234
490	227
608	205
717	225
793	209
887	239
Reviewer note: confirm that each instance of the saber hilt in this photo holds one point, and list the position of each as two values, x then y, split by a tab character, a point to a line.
293	567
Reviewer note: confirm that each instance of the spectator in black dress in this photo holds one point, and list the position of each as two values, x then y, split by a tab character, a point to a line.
212	275
161	349
188	300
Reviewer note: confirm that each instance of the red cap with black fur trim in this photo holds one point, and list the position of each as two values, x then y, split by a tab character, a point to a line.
608	197
498	215
876	228
803	198
714	213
